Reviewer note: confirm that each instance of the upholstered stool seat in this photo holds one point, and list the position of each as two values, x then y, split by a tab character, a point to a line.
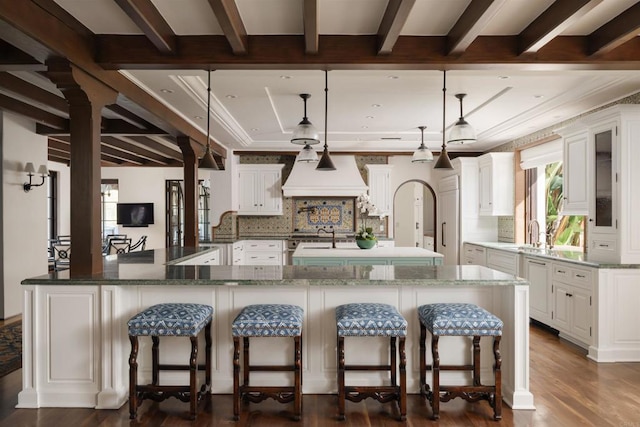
162	320
267	320
372	320
458	319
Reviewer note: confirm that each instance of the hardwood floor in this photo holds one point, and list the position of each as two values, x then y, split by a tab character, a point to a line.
569	390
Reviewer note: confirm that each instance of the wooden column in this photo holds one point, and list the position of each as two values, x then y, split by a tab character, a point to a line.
190	160
86	97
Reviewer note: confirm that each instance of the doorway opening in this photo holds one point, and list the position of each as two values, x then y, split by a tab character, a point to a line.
414	215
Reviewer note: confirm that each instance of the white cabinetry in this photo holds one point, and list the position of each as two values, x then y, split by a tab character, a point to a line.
575	185
260	188
263	252
380	188
572	291
474	254
496	186
211	257
538	273
505	261
237	253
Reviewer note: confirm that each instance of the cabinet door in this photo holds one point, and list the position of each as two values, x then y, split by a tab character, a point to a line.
538	274
448	220
602	218
248	188
380	187
271	191
562	311
485	186
576	180
581	314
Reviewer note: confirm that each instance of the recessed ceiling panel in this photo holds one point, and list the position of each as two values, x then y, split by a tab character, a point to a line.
189	17
350	17
514	16
429	18
262	17
100	16
598	16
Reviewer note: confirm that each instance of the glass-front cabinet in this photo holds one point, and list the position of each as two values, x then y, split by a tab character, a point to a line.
604	179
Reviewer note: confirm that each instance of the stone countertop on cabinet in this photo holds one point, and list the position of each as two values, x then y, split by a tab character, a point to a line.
155	267
557	254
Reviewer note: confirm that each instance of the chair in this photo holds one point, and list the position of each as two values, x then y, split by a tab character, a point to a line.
106	246
372	320
139	245
267	320
467	320
119	246
172	319
61	254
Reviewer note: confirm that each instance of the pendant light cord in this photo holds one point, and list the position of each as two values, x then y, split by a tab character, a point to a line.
326	105
444	95
208	105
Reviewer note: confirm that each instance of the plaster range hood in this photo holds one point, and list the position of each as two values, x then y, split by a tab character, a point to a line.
305	181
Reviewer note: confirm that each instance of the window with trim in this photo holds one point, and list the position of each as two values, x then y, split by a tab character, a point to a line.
108	205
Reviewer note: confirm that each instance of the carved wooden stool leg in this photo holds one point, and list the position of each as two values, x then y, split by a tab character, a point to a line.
435	395
207	352
423	360
236	378
403	380
394	361
341	390
133	377
497	408
155	360
297	378
193	370
476	360
245	363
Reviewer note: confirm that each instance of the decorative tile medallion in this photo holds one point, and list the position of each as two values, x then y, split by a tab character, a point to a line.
313	214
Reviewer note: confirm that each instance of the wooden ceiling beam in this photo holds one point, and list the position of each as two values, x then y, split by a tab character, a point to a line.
13	59
392	22
155	145
147	17
16	85
8	103
53	8
124	127
360	52
134	149
616	32
470	24
310	24
553	21
228	16
128	116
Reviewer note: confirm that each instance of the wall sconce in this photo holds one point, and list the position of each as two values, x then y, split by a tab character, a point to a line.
42	170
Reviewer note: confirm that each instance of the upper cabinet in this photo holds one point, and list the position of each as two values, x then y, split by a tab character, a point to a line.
380	188
575	153
260	188
496	175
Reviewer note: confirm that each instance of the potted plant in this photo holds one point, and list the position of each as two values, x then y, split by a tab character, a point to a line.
365	239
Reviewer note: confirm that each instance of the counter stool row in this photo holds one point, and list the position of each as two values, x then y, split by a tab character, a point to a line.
352	320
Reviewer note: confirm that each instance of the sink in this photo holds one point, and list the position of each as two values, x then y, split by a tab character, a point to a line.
317	247
534	250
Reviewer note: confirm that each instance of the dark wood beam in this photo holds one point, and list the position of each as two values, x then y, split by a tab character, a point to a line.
124	127
614	33
16	85
113	153
13	59
310	24
61	149
553	21
155	145
147	17
228	16
42	35
360	52
392	22
470	24
134	149
53	8
190	172
128	116
8	103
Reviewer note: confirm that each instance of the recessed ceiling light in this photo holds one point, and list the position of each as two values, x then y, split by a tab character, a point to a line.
369	117
255	129
198	117
503	77
376	105
365	127
393	77
285	77
538	96
166	90
231	97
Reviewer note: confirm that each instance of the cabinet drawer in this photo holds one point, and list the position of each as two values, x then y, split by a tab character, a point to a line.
262	258
263	245
572	275
604	245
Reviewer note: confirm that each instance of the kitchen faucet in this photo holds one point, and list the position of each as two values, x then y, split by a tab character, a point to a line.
333	236
533	222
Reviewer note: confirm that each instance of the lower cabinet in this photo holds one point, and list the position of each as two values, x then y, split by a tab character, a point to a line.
474	254
263	252
572	290
538	273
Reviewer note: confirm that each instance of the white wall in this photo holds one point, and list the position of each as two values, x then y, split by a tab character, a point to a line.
24	215
224	193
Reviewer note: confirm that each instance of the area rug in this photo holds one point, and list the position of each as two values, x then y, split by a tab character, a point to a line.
10	348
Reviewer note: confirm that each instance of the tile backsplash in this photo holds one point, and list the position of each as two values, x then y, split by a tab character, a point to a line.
311	214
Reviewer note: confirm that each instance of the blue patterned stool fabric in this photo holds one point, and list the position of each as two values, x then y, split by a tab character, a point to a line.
459	319
268	320
370	320
172	319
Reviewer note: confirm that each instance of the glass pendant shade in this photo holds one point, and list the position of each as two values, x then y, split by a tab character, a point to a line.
307	154
325	163
443	160
305	133
207	161
422	154
462	132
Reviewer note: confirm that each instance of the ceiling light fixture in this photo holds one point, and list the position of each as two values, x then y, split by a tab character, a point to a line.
325	163
305	133
422	154
462	132
307	154
207	161
443	160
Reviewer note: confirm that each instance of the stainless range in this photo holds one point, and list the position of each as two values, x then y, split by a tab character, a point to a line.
297	238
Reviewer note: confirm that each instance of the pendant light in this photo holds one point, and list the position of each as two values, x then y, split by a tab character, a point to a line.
305	133
207	161
422	154
325	163
307	154
443	161
462	132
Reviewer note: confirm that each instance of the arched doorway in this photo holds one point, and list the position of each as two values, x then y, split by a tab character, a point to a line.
414	215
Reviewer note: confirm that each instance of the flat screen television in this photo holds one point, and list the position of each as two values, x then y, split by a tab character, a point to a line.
135	214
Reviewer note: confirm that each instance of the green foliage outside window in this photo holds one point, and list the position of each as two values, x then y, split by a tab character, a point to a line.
565	230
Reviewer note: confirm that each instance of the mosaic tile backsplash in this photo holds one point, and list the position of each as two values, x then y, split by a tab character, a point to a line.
312	214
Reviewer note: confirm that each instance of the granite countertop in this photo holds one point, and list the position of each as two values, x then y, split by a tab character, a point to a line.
558	254
355	252
152	268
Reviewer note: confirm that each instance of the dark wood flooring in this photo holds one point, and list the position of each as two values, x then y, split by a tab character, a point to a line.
569	390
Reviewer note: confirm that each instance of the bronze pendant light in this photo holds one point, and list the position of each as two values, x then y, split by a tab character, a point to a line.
207	161
443	160
325	163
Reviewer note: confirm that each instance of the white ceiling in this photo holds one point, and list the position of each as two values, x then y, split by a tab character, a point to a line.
257	110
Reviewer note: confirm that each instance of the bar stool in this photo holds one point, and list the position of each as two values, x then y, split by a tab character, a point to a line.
173	319
372	320
455	319
267	320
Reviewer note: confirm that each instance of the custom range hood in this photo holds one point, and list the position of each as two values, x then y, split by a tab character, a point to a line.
305	181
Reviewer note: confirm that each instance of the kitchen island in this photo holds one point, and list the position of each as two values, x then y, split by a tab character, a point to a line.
76	346
305	255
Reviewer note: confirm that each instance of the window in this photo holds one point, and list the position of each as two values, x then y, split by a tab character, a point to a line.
109	202
564	230
204	231
52	205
